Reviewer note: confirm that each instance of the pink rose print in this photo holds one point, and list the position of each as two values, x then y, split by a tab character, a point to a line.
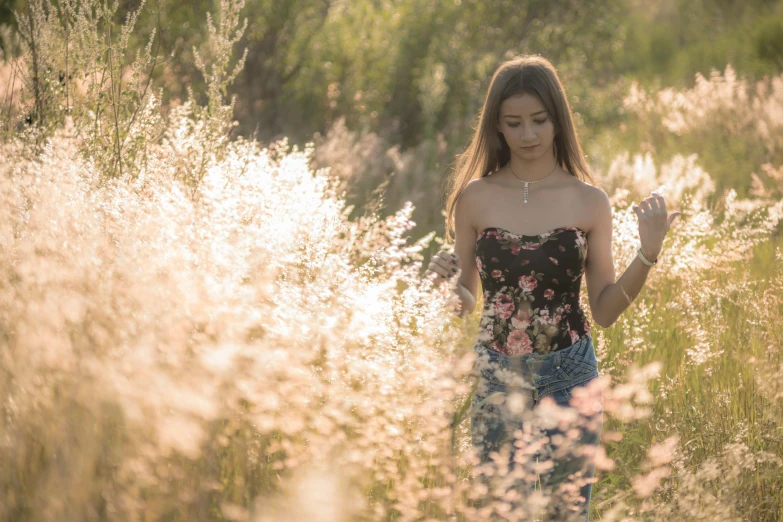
522	315
520	321
527	310
543	316
518	342
504	306
528	283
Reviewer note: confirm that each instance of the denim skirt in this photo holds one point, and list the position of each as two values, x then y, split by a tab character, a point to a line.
546	457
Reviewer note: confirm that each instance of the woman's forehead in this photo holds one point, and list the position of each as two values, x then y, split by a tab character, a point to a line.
521	105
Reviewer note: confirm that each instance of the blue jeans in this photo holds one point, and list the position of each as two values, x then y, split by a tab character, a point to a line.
520	445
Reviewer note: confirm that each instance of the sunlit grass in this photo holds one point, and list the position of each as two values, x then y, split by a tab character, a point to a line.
213	336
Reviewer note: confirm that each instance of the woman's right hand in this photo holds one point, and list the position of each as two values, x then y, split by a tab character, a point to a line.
443	266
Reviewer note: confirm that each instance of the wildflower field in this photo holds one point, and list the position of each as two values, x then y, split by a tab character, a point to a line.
195	326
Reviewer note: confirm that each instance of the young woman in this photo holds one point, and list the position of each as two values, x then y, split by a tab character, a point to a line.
528	225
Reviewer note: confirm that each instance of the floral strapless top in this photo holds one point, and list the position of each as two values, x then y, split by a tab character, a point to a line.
531	289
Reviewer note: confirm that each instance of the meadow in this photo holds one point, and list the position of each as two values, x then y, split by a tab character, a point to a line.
195	326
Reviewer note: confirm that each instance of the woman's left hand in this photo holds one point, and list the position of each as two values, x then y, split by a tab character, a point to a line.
654	223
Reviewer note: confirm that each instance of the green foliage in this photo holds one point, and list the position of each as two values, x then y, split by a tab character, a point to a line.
187	286
768	41
106	99
71	47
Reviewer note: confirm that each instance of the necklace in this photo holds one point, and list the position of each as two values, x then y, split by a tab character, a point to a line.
526	182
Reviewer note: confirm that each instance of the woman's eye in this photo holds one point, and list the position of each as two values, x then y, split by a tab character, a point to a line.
514	126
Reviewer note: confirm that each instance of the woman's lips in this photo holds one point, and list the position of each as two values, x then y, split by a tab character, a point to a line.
530	148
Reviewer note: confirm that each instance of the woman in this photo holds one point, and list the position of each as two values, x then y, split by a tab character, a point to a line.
528	226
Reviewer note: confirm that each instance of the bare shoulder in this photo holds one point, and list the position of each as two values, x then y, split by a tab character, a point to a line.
481	189
596	202
472	191
469	199
590	193
466	200
479	185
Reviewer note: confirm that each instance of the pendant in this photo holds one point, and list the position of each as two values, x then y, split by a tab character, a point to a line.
525	193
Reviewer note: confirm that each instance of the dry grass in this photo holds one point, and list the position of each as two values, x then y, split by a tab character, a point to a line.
231	346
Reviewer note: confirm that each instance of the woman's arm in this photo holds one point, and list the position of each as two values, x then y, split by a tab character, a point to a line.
610	298
467	300
618	296
465	249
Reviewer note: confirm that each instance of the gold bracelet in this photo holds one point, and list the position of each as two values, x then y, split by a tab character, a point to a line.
626	295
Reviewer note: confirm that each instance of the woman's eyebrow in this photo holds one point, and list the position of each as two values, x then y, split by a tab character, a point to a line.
518	116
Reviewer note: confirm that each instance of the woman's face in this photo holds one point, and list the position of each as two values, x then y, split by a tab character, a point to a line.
524	122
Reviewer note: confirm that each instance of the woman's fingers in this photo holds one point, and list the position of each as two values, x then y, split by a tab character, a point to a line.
444	264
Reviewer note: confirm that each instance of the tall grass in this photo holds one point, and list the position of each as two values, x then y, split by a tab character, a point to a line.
733	124
209	335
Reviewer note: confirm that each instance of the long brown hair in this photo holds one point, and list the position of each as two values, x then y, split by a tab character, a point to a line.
488	150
